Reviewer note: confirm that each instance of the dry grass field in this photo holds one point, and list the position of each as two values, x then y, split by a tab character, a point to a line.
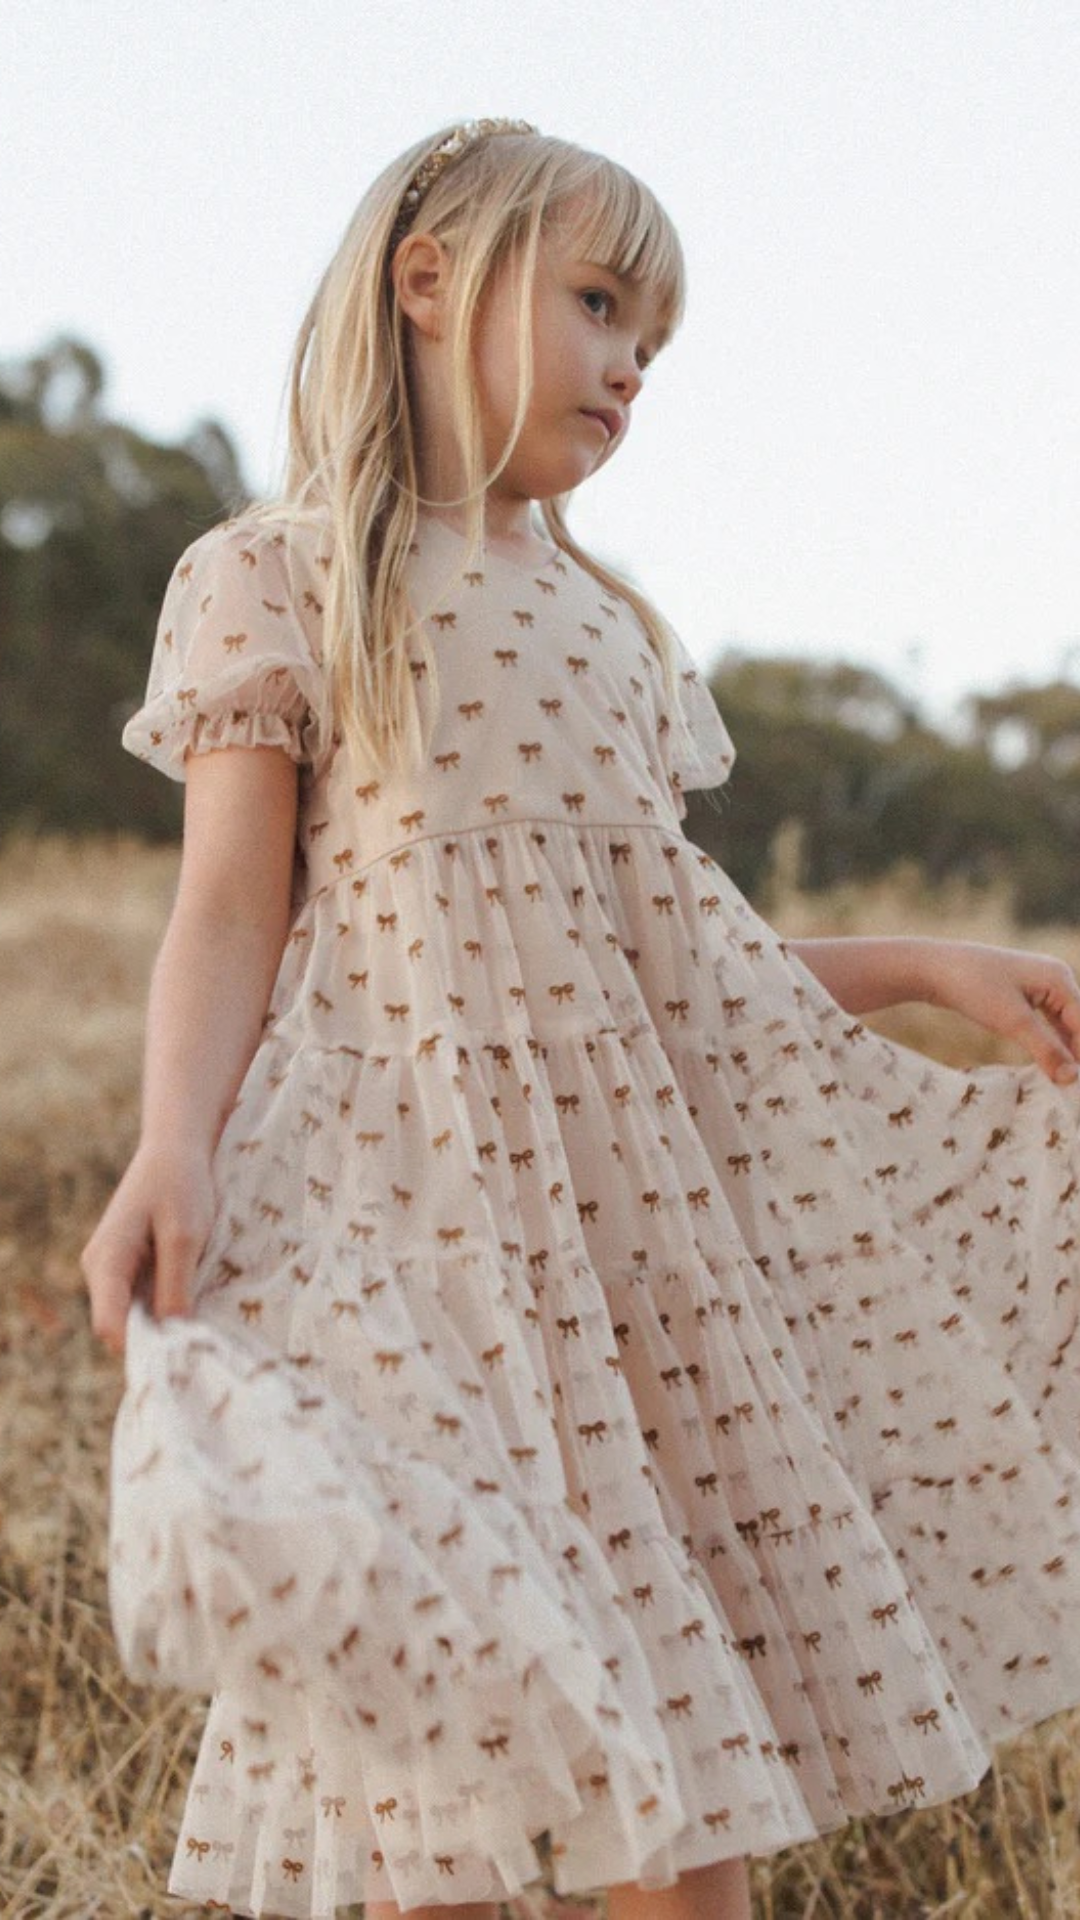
92	1769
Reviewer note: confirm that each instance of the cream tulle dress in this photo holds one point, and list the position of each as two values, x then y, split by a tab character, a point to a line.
624	1397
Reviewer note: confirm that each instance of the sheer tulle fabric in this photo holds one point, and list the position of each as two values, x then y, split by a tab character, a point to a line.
624	1398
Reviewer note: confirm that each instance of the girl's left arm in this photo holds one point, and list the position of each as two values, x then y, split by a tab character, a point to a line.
1028	997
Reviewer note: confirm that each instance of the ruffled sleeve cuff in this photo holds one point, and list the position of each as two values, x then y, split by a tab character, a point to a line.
171	725
236	659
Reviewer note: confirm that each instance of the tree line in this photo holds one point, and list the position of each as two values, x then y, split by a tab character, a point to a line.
94	514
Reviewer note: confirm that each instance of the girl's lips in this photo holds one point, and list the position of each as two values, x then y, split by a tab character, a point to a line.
607	420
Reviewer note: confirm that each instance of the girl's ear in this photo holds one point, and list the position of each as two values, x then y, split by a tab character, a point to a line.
421	275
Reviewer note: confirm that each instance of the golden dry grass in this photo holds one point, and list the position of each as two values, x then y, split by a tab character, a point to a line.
93	1770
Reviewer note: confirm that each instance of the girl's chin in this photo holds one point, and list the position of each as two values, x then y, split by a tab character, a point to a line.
549	487
578	471
544	479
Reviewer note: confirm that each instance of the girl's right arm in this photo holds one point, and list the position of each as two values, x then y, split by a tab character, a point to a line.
208	998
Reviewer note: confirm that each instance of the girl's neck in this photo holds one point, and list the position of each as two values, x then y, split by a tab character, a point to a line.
521	539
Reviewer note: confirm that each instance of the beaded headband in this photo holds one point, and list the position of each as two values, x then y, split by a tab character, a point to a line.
463	136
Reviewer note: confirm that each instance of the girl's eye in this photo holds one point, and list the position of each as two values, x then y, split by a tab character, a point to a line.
597	293
601	293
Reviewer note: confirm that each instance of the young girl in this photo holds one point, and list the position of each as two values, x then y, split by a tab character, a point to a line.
579	1380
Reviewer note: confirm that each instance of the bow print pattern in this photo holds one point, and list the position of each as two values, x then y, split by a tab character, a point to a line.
626	1398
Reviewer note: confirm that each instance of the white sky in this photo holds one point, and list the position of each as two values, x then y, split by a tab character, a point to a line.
865	440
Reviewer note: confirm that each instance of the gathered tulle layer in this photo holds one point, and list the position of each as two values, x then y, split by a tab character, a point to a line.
410	1615
353	1603
626	1398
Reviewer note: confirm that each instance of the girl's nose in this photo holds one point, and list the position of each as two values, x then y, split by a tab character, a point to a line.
626	378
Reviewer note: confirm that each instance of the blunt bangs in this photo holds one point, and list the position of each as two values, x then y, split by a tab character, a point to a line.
614	219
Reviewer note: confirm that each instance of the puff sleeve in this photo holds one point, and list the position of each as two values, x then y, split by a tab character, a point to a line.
695	746
236	657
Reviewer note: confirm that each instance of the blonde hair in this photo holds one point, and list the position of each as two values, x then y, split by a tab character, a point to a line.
351	453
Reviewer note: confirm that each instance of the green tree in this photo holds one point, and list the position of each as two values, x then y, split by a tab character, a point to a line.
92	518
847	756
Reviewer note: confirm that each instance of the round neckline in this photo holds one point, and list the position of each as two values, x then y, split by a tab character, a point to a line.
426	519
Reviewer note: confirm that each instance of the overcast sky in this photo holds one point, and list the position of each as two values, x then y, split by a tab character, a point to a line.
865	440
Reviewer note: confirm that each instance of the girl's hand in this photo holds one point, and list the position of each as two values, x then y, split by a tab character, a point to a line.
1028	997
149	1237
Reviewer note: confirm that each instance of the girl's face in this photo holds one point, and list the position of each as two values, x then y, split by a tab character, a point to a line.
593	335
